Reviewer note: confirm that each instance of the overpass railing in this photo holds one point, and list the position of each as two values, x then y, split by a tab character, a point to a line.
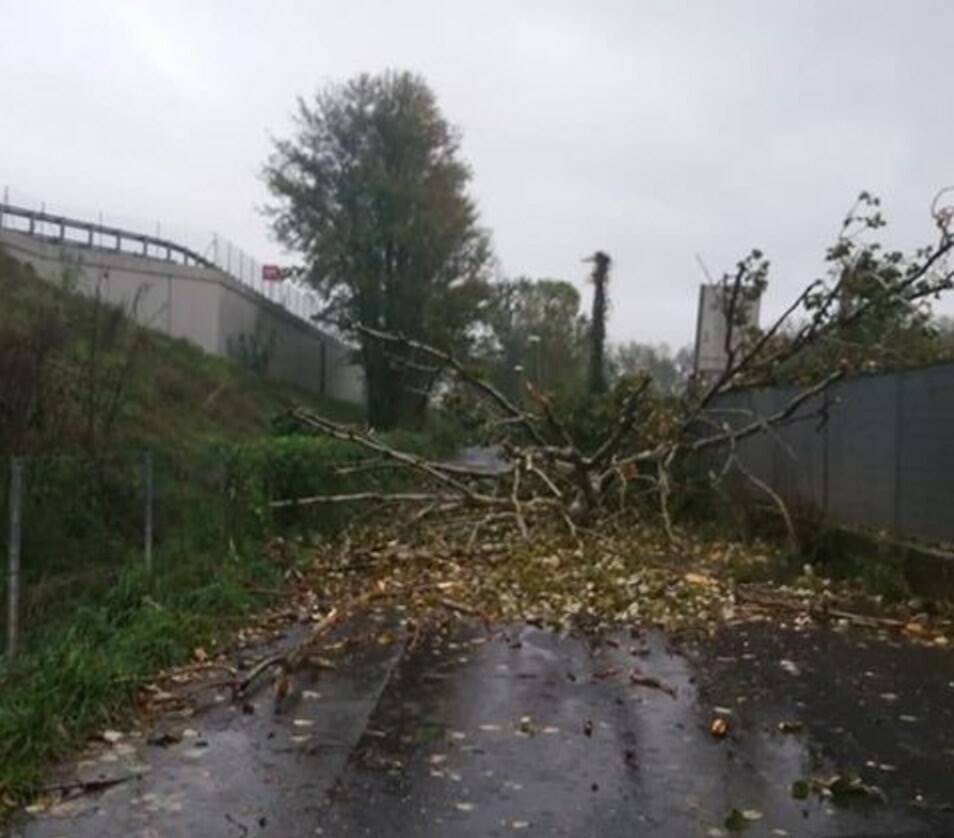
58	228
204	250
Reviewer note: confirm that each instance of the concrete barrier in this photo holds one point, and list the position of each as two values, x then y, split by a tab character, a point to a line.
205	307
881	456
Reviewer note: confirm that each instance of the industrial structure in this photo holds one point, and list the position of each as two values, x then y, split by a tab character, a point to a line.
712	329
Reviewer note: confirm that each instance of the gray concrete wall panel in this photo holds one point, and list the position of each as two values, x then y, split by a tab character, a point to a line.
202	305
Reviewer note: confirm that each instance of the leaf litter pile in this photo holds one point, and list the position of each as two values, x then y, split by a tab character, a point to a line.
626	579
595	585
632	579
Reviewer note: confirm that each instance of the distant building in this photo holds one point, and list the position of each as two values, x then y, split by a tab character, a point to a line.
711	326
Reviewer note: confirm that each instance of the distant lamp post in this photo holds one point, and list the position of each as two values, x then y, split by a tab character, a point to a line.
521	389
536	343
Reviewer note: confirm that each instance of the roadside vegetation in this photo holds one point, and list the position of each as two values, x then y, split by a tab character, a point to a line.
83	391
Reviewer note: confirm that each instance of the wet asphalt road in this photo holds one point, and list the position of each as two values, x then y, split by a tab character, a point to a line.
523	731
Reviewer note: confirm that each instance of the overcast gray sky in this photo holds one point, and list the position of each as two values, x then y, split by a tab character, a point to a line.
652	130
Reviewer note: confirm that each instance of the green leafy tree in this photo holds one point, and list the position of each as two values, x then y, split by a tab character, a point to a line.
877	302
536	335
944	327
373	192
669	371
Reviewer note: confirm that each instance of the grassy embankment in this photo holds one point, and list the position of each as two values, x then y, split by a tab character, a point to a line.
82	390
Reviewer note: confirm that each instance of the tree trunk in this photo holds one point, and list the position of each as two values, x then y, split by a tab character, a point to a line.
382	394
396	396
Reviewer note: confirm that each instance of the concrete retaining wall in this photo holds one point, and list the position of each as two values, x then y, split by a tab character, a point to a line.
204	306
883	459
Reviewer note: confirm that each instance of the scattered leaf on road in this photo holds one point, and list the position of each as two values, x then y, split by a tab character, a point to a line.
790	667
719	727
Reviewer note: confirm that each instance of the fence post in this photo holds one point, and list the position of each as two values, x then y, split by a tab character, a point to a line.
825	457
147	481
13	568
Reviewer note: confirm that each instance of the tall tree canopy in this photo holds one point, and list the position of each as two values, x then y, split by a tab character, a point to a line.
536	334
373	192
669	371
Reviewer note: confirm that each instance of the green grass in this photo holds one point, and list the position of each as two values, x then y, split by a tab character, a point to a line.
85	676
178	396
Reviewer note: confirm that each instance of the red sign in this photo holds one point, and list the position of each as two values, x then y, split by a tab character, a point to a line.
271	273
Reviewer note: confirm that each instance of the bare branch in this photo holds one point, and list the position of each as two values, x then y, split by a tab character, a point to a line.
624	425
357	497
778	418
479	383
343	432
776	499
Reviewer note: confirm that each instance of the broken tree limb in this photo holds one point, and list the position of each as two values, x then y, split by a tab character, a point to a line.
823	613
478	382
780	417
548	469
289	661
357	497
87	786
776	499
366	440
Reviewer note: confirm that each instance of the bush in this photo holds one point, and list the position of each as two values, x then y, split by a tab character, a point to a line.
291	467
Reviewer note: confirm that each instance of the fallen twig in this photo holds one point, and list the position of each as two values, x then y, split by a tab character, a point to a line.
652	682
291	660
820	612
205	666
458	607
87	786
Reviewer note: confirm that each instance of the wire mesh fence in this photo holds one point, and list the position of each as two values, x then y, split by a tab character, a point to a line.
74	525
87	539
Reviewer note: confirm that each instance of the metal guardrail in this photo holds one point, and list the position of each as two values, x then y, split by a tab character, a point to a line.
220	254
85	233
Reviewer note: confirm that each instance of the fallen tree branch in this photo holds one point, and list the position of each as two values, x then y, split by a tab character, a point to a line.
639	453
823	613
652	682
87	786
478	382
357	497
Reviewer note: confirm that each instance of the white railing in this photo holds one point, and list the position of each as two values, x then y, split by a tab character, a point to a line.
23	213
